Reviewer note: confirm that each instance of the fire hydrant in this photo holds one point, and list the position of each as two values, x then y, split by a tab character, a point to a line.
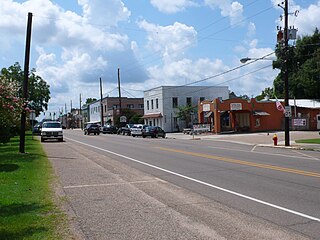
275	140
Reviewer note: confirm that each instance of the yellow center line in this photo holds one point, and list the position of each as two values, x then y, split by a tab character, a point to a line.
252	164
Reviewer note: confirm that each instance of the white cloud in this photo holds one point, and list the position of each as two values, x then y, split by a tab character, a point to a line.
307	19
172	6
251	29
169	41
107	13
233	10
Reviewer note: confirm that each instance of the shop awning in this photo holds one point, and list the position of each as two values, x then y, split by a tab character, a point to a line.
260	113
209	114
153	115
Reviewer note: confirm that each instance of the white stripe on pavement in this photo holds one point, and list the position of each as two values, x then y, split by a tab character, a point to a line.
204	183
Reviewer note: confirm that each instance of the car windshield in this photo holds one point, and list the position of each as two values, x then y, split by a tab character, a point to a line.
51	125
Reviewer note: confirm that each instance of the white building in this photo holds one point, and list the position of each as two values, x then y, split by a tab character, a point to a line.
161	103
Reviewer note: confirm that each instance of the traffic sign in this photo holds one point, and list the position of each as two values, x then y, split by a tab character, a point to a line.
32	115
288	112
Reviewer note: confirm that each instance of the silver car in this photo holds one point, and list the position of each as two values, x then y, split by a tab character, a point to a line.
137	129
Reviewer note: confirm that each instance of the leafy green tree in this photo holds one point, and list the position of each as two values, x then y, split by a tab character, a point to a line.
38	89
303	66
266	93
90	100
10	108
185	113
132	117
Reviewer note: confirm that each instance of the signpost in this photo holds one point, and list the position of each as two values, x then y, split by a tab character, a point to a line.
32	117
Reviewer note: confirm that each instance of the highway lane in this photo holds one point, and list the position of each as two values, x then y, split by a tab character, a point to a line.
284	187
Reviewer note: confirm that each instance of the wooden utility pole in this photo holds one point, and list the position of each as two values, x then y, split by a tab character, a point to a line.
101	104
80	112
286	75
25	85
120	109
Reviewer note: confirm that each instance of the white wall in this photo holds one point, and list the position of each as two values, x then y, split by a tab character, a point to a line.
165	95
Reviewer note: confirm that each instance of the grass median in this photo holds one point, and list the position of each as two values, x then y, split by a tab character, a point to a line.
28	207
311	141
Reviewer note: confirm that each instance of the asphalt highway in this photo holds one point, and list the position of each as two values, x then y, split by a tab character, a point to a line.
120	187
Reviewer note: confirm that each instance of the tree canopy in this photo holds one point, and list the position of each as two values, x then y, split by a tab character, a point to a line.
38	89
303	67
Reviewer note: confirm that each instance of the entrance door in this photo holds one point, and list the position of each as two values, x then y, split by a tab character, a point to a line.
243	122
318	121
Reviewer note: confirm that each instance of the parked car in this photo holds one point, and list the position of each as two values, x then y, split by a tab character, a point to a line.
51	130
37	128
109	129
92	128
136	130
125	130
153	131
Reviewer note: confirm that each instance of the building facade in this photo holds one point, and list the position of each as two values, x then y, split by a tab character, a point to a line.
111	108
241	115
161	104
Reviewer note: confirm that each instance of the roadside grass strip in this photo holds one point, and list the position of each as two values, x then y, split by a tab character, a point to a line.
27	206
252	164
311	141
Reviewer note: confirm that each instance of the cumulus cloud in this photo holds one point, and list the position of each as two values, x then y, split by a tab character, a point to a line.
107	13
170	41
233	10
172	6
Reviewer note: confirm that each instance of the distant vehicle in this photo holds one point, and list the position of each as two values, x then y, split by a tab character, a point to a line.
137	129
51	130
153	131
109	129
126	130
92	128
37	128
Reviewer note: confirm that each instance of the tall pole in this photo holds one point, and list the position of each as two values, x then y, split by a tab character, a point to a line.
25	85
101	104
286	75
120	109
80	111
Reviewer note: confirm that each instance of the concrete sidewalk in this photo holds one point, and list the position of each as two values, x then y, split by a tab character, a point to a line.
259	139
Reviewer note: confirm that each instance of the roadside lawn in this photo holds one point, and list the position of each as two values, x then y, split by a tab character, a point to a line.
313	141
28	207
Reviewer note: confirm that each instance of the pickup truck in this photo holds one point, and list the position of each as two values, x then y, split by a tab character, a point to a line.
125	130
51	130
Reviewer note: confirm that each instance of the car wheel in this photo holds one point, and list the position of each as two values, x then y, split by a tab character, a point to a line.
98	133
144	136
60	139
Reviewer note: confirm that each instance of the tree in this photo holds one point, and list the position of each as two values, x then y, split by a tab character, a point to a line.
38	89
185	113
10	108
304	68
266	93
90	100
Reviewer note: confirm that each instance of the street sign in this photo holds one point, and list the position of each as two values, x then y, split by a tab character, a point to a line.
32	115
288	111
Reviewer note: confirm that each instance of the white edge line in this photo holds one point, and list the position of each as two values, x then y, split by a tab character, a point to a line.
206	184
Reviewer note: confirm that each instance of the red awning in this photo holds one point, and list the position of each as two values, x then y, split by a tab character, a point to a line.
153	115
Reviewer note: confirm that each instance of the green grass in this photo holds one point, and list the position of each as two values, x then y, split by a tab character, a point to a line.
27	206
313	141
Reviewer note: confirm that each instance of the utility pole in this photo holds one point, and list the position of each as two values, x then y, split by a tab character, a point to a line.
101	104
80	112
25	85
286	75
120	109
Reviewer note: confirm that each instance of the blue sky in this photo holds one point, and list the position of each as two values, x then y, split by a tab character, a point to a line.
153	42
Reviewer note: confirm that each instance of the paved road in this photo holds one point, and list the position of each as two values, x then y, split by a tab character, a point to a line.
121	187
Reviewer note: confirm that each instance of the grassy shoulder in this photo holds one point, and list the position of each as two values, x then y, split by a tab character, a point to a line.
312	141
27	206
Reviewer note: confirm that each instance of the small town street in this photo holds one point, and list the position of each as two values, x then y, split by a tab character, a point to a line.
120	187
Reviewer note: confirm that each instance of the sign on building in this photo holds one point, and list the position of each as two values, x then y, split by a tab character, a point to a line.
123	119
235	106
299	122
206	107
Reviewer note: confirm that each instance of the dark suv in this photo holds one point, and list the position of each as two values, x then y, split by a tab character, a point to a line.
92	128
